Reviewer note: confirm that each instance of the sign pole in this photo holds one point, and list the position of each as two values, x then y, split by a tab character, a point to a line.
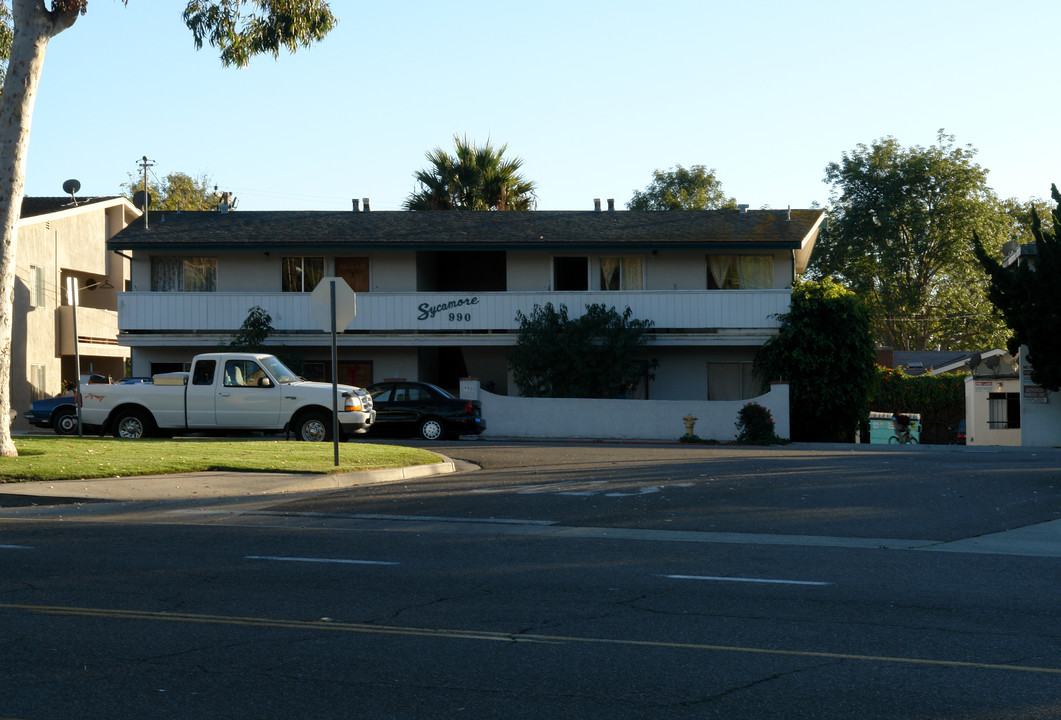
335	381
71	295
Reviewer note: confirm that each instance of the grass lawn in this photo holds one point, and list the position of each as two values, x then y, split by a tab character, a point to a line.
70	458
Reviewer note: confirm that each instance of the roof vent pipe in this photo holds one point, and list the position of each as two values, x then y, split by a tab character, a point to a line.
354	202
611	204
596	204
743	207
365	201
789	218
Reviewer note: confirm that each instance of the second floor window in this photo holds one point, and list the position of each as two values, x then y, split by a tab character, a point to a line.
37	278
620	273
740	272
183	274
301	274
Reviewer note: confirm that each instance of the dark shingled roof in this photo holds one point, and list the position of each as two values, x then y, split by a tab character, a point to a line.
754	229
34	206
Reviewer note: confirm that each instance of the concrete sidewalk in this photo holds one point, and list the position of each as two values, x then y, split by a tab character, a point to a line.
203	485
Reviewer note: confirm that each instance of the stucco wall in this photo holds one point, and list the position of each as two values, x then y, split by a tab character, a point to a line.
1040	410
658	420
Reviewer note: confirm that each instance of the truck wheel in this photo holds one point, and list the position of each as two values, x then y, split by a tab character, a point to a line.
314	427
65	421
431	429
132	425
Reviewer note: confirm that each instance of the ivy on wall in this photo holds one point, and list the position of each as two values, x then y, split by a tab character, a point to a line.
939	399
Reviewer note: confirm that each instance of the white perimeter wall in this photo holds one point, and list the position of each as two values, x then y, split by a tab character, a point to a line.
575	419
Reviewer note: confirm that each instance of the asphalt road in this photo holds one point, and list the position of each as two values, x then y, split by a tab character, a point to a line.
556	581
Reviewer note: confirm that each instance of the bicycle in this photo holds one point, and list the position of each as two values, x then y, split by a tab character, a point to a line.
902	437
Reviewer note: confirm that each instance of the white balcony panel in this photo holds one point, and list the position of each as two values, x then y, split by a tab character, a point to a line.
448	312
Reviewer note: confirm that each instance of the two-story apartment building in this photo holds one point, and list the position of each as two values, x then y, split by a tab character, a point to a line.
63	239
438	292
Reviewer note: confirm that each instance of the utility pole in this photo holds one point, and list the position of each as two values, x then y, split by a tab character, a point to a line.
145	164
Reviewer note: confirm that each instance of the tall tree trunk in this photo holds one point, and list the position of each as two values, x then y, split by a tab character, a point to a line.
34	26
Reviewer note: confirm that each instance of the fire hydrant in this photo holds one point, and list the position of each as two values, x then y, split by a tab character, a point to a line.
689	421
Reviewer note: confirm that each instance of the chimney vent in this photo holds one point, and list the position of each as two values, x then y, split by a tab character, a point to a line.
743	207
365	201
611	204
596	204
354	202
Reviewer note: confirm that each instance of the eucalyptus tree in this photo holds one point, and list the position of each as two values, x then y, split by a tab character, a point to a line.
899	234
694	188
475	177
177	191
239	29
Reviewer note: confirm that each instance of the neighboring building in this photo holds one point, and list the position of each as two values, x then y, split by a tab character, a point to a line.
60	239
926	362
1040	409
438	292
992	397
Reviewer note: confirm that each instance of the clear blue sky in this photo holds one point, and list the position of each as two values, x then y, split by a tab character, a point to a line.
592	95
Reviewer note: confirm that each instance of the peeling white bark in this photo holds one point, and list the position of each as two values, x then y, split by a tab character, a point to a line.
34	26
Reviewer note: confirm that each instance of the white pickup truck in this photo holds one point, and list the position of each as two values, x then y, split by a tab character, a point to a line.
226	392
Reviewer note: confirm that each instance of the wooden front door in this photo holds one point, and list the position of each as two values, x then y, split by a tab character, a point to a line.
354	270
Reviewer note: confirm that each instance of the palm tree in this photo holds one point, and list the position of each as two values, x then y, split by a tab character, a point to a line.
473	178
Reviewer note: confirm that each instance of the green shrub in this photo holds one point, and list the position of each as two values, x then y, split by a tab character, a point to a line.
755	426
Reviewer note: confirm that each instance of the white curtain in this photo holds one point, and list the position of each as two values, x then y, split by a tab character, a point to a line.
609	274
756	272
721	267
741	272
631	273
167	274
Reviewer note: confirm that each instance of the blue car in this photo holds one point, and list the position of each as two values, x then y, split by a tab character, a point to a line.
59	413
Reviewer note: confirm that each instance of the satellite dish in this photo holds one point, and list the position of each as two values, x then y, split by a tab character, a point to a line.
139	197
71	186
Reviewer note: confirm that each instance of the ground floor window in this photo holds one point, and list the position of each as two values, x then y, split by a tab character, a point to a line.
37	382
732	381
1003	411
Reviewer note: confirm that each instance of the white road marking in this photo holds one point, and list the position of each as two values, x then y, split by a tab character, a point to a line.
642	491
15	547
318	560
745	580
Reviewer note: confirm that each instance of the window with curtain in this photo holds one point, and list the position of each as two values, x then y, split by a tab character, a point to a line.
183	274
740	272
621	273
301	274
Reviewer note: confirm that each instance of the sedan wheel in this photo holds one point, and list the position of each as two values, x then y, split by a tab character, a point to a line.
65	423
431	429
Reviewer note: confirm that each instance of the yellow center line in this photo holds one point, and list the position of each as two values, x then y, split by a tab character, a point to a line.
494	636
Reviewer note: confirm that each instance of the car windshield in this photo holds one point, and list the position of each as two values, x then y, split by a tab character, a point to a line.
283	375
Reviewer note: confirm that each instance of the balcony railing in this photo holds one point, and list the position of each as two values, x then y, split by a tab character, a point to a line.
449	312
97	332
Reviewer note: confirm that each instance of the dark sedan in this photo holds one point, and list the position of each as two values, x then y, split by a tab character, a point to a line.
58	413
416	409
